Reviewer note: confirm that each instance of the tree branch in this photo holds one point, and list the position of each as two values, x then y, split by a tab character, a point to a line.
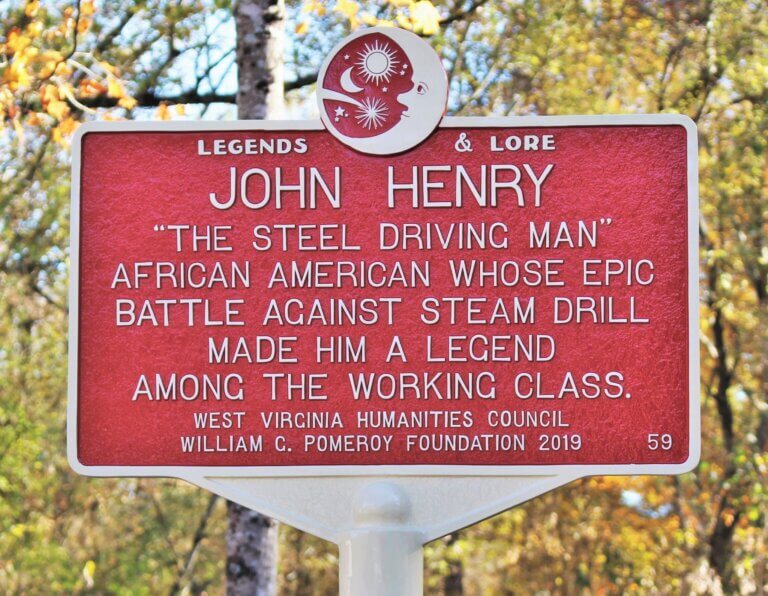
107	38
300	82
197	538
48	298
461	14
25	178
149	99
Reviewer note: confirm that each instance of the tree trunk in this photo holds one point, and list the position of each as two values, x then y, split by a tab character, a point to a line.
260	48
252	537
251	553
720	542
453	584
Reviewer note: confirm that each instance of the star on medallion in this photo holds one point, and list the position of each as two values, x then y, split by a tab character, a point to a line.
385	89
372	114
339	113
346	56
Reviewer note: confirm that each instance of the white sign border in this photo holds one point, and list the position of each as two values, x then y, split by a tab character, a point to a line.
201	473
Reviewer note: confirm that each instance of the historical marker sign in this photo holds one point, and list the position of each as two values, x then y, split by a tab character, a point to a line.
508	293
384	294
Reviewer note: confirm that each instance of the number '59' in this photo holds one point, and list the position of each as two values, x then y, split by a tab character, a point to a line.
658	441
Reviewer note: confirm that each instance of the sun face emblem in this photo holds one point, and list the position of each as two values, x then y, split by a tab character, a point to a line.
377	62
372	113
382	91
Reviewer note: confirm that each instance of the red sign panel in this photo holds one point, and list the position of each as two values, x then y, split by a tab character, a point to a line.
508	293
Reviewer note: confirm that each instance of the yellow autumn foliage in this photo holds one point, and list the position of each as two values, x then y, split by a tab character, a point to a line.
39	63
424	18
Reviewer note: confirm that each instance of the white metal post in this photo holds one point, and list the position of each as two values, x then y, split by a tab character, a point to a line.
381	555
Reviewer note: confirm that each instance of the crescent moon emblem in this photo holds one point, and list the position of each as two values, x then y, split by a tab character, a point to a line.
346	82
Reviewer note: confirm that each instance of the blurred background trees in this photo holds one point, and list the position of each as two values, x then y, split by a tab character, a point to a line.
63	62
